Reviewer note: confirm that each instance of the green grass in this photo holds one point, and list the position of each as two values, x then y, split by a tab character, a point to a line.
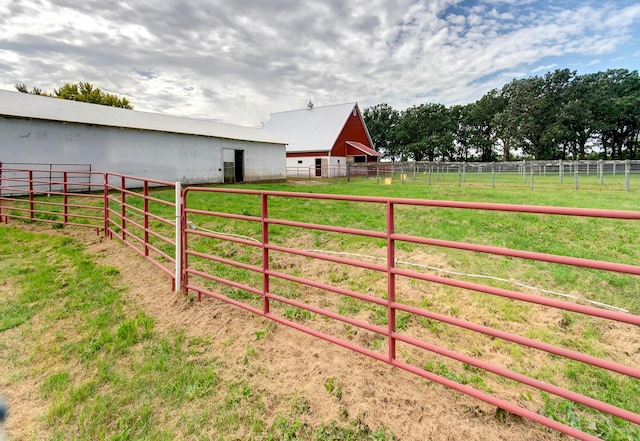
116	332
611	388
106	372
462	378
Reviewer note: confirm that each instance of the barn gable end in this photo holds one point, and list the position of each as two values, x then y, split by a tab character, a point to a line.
322	140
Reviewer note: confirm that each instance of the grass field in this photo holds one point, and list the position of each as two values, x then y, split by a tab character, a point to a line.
105	372
103	381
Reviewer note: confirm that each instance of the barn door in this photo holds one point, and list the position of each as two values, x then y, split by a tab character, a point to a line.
239	166
318	167
229	163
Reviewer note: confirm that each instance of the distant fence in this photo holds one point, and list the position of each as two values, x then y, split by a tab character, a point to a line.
524	173
44	177
232	245
56	196
117	204
320	171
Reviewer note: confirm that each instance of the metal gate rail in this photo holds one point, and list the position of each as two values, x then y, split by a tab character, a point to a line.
207	260
210	281
138	219
66	197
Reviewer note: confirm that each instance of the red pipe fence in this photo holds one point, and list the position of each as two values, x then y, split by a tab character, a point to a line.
238	246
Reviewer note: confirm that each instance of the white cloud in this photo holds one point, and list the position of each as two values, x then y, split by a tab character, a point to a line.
236	62
545	68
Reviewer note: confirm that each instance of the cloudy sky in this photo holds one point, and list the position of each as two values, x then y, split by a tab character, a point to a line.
238	61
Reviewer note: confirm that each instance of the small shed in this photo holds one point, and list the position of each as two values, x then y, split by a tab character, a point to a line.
39	129
321	141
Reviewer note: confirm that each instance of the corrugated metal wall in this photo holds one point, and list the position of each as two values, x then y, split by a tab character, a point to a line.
165	156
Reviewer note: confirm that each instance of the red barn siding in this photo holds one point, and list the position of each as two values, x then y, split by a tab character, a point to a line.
353	130
306	154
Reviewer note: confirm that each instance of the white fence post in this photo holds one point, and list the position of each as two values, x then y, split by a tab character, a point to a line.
179	203
601	170
493	175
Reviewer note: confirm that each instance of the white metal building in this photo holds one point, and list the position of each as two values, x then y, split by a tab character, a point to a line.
37	129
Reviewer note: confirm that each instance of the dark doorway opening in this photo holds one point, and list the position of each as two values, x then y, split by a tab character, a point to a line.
239	161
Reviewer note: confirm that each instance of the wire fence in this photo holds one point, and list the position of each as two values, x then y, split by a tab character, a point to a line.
317	171
530	174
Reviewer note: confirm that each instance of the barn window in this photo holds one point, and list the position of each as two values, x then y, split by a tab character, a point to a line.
299	161
359	159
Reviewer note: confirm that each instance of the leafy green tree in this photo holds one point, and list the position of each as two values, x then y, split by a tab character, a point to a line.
505	138
618	113
556	136
84	92
426	132
576	116
531	113
508	124
381	121
463	133
24	89
480	124
557	116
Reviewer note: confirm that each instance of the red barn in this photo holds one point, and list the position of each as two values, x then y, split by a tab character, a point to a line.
321	141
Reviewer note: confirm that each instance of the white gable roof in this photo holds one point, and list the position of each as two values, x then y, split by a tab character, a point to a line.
310	130
24	105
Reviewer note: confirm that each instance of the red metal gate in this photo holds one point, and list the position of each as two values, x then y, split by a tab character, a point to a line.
262	252
55	196
139	220
246	270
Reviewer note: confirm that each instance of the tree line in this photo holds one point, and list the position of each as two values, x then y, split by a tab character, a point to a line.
560	115
85	92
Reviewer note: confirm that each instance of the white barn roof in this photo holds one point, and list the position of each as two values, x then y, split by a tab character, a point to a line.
310	130
23	105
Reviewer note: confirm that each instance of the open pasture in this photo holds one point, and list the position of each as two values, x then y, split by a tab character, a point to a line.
587	238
